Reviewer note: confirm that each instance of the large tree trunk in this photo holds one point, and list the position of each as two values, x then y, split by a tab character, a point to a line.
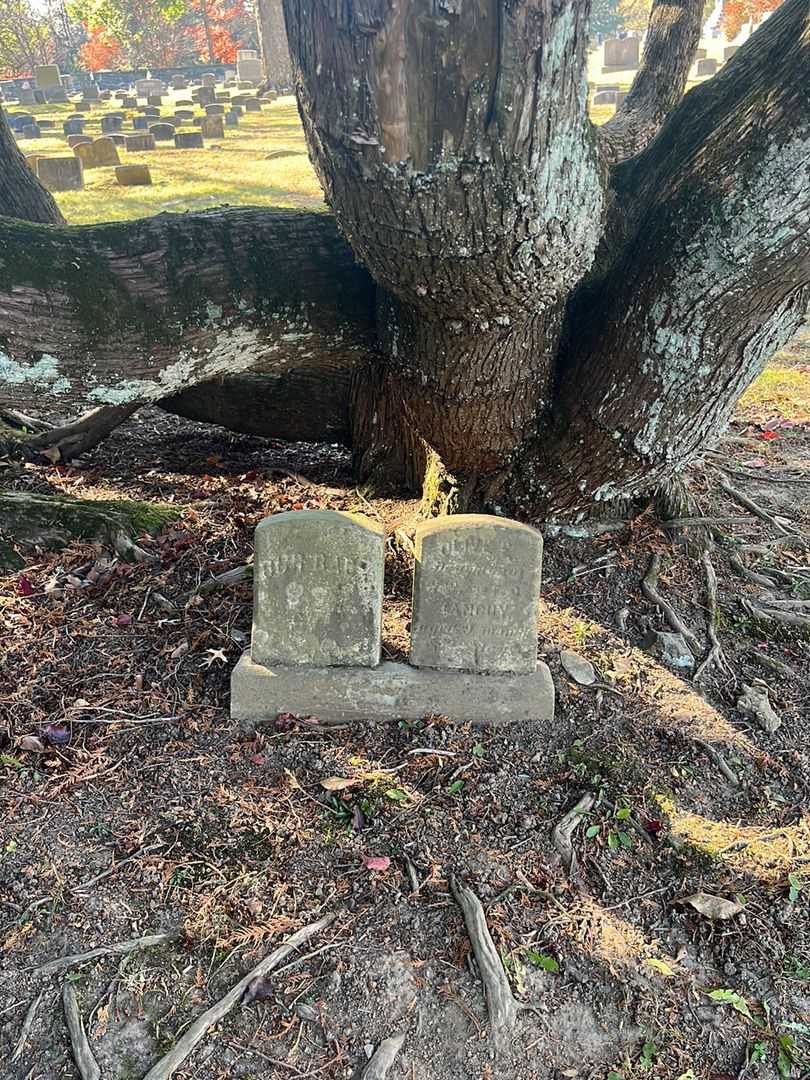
552	316
21	194
273	41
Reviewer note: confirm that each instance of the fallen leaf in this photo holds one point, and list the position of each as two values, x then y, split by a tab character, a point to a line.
258	989
257	759
358	819
713	907
338	783
661	965
32	744
123	619
57	734
768	435
376	862
25	586
653	826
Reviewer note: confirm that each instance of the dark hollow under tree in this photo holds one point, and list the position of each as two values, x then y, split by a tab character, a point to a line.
546	315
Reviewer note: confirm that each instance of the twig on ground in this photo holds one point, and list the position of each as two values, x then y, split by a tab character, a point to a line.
116	866
197	1031
223	581
766	612
82	1054
501	1005
716	656
117	948
383	1058
773	664
25	1030
749	504
563	831
717	758
649	586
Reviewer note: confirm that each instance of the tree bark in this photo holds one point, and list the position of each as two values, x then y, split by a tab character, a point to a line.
136	311
273	41
21	194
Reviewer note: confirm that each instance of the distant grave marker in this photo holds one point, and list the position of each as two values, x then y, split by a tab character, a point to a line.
133	175
97	154
60	174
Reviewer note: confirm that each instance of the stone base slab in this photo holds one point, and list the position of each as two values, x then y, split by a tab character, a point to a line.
387	692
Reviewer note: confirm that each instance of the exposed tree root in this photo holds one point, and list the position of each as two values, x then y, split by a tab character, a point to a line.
224	581
750	575
778	611
772	664
172	1061
561	836
82	1054
116	949
53	521
716	656
383	1058
749	504
649	586
722	765
501	1005
25	1030
68	442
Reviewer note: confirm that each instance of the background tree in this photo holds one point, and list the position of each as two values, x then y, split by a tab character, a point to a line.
736	13
605	17
273	43
27	38
549	318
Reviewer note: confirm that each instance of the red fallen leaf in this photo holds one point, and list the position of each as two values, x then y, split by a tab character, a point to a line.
258	759
376	862
653	826
251	474
286	721
767	435
298	506
25	586
123	619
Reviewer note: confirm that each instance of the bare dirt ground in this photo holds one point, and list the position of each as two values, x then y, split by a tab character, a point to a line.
132	806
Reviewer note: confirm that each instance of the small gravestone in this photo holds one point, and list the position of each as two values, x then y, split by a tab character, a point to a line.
252	105
84	106
56	95
729	51
109	124
27	96
140	123
212	127
476	593
31	131
231	119
214	110
129	102
162	132
73	127
605	97
237	110
46	125
91	92
209	81
78	140
151	110
622	94
118	138
184	114
97	154
706	68
60	174
31	161
621	54
47	75
205	96
700	54
154	99
184	101
140	142
318	582
178	82
133	175
188	140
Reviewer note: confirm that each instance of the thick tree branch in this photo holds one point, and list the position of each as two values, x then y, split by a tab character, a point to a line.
21	194
705	271
669	50
134	311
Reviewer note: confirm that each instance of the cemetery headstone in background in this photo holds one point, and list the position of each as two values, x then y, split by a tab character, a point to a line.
133	175
621	54
60	174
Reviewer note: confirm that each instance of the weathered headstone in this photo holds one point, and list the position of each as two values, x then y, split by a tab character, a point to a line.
56	95
237	110
212	127
31	131
133	175
60	174
27	96
154	99
140	142
73	127
605	97
189	140
110	124
248	68
129	102
318	585
151	110
179	82
253	105
97	154
316	624
141	123
46	125
222	96
729	51
162	132
91	92
209	81
205	96
706	68
215	110
78	140
621	54
184	114
476	594
47	75
231	119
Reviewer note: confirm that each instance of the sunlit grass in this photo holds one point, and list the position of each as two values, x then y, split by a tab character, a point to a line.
263	162
780	391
